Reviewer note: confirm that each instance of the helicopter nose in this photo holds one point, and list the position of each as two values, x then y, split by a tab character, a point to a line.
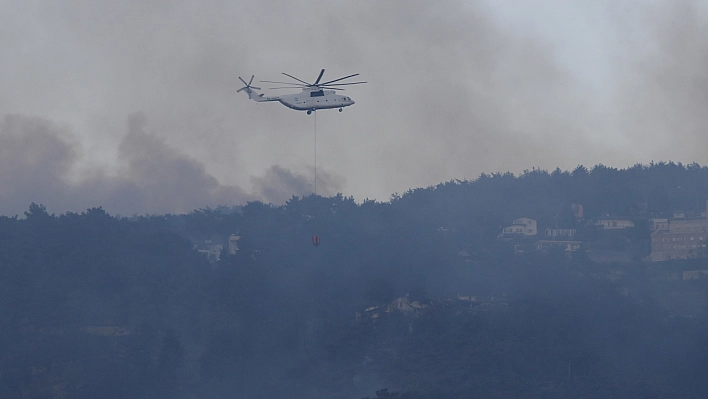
351	102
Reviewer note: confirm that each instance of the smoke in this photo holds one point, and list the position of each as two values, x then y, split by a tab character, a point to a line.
454	93
453	90
664	95
167	180
279	184
39	161
35	156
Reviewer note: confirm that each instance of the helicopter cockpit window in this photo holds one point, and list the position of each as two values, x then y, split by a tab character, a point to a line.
318	93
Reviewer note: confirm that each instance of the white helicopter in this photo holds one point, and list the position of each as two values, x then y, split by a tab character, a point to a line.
314	96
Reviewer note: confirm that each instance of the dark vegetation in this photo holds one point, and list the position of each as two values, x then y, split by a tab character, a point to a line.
94	306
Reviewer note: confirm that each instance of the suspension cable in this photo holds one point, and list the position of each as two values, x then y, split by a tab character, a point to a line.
315	112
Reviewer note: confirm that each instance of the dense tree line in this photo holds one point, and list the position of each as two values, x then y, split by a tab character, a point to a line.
93	305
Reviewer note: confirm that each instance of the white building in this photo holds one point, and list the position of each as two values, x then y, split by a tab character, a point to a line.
520	227
614	224
659	224
694	225
233	243
679	238
211	250
560	233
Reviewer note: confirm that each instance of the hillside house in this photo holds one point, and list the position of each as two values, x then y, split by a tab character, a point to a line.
679	238
693	225
694	274
210	249
374	312
614	224
233	243
659	224
407	307
667	245
568	246
519	228
559	234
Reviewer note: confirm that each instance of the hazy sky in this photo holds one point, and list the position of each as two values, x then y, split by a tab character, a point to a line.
132	105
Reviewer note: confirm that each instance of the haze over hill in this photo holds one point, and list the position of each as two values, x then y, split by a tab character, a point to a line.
37	159
420	294
455	90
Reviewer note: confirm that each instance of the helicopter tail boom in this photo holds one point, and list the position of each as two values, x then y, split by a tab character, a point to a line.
252	94
251	91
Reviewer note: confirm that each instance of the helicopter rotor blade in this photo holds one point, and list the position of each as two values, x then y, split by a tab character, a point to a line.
275	81
318	78
343	84
337	80
251	81
284	83
299	80
288	87
244	82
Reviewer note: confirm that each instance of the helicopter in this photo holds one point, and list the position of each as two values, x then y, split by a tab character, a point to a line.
314	96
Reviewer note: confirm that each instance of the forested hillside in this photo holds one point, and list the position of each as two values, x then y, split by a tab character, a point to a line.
93	305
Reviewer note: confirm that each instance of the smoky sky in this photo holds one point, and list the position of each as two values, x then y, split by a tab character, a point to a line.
37	159
132	105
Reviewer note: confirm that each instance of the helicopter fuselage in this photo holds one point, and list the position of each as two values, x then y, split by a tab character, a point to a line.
310	100
307	100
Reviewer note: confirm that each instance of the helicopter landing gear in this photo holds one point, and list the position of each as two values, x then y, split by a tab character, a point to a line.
309	112
340	110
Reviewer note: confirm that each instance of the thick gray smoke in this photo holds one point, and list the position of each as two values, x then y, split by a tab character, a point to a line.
664	95
38	160
279	184
454	91
35	158
167	180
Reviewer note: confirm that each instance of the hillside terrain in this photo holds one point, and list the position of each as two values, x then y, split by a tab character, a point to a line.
421	296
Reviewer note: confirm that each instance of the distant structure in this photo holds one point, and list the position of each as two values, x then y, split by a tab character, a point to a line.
694	274
519	228
614	224
566	245
560	234
577	212
403	305
233	243
559	238
659	224
211	250
681	237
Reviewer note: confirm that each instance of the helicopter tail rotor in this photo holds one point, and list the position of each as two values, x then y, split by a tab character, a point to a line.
249	89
